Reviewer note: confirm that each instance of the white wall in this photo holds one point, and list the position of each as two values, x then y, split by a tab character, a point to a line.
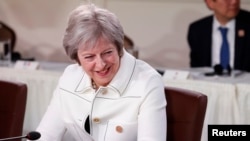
158	27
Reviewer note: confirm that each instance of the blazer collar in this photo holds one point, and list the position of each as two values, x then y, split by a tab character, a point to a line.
123	77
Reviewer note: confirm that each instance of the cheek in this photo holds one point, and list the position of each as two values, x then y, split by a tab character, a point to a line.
116	64
114	60
87	67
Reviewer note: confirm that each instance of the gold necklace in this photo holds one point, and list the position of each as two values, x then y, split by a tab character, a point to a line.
94	84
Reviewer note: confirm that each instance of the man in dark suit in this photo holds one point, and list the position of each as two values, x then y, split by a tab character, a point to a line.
205	39
7	33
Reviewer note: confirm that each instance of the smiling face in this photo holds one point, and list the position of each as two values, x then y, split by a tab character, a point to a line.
224	10
100	62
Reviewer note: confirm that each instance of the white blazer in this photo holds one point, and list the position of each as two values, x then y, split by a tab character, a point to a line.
131	108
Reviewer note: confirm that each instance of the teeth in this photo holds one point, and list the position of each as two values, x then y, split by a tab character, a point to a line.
104	71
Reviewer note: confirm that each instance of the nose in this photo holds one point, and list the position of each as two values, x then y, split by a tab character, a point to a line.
100	63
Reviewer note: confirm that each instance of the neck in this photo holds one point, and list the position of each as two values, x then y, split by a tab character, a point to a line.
222	20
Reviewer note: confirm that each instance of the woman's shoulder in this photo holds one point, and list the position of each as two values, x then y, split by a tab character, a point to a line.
147	73
72	73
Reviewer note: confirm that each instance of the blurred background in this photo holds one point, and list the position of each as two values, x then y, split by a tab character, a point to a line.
158	28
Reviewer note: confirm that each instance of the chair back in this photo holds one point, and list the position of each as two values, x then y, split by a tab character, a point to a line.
185	114
13	96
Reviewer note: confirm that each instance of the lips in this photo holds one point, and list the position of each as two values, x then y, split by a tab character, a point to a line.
103	72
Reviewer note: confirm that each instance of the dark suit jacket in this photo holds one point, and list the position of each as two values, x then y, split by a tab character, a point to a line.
200	42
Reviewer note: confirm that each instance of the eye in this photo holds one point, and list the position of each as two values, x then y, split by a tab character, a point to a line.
87	57
109	52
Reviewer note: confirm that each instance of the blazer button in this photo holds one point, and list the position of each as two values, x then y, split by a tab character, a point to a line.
96	120
119	129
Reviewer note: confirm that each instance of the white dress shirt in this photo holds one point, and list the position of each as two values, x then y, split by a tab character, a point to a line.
217	41
130	108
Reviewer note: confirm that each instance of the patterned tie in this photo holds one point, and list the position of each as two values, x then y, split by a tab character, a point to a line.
224	52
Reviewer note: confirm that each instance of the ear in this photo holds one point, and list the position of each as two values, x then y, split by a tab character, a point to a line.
209	3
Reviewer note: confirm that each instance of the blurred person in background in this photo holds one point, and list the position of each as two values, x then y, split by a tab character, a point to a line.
130	46
205	39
